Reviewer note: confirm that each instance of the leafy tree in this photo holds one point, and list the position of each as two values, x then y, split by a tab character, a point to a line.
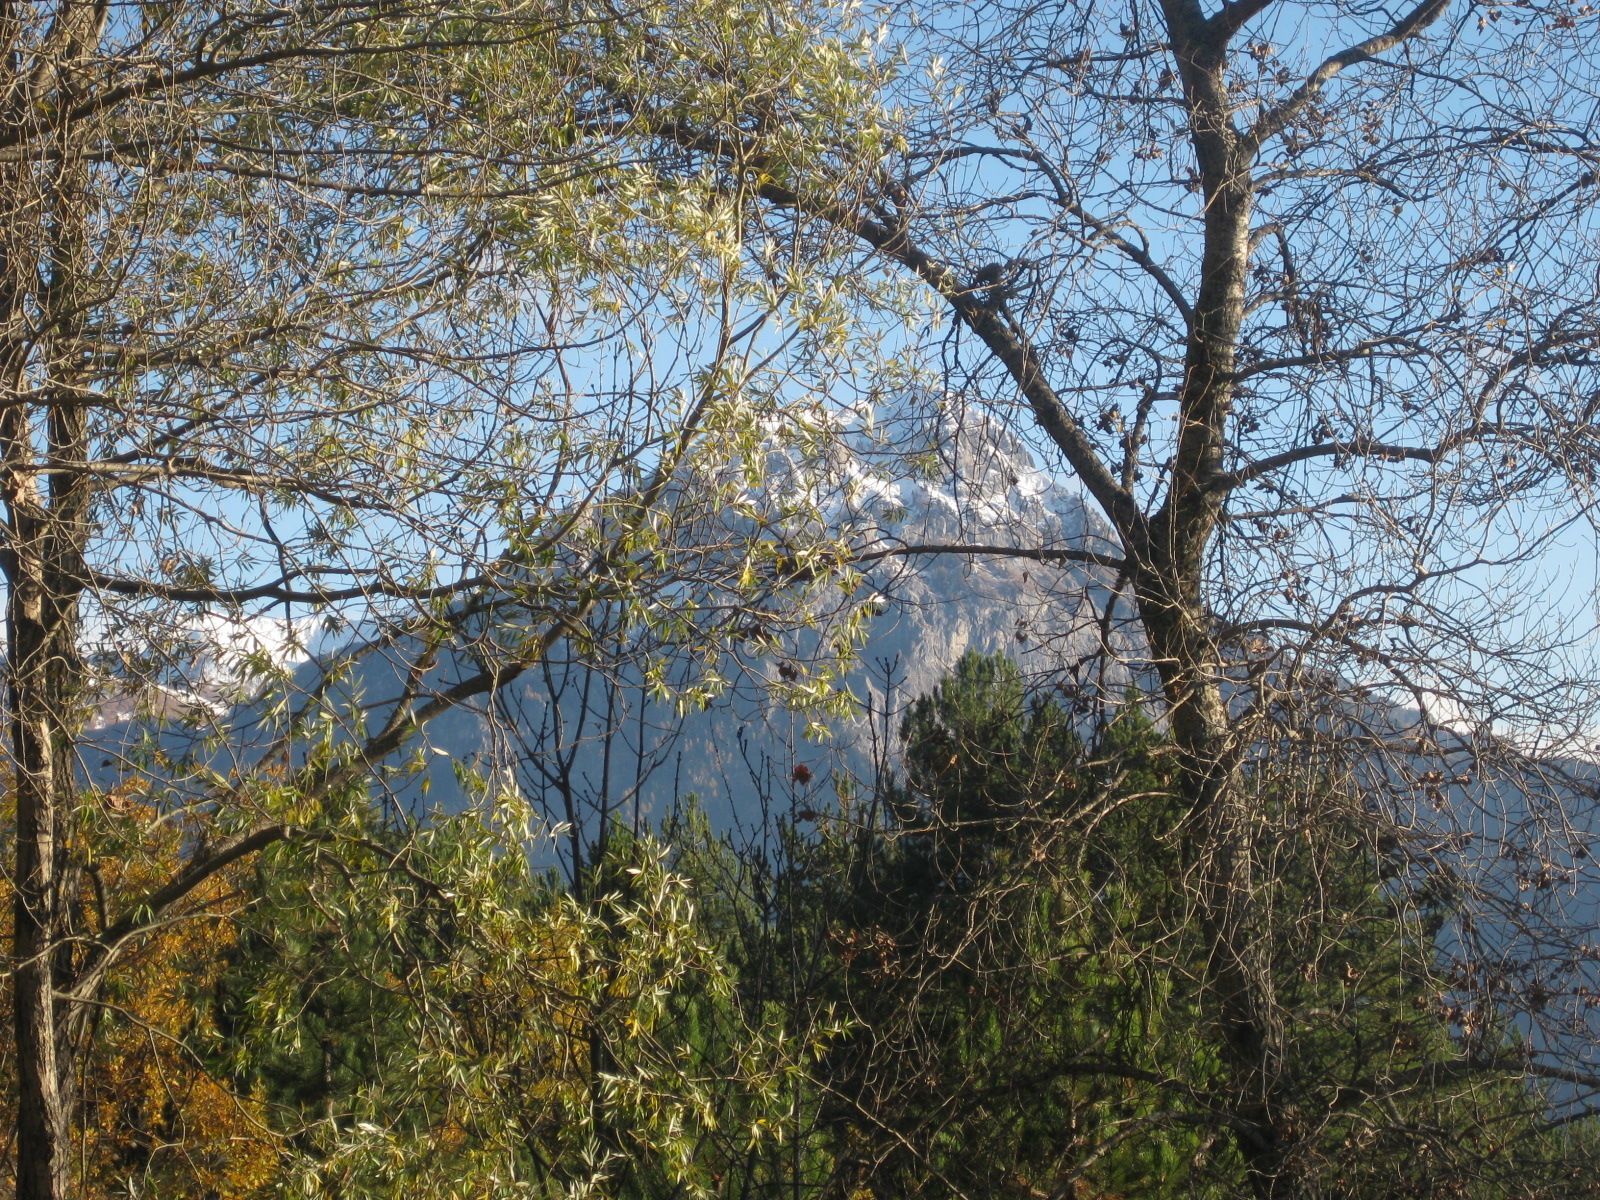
293	298
158	1112
600	1039
1302	297
1017	949
992	988
746	896
535	1044
991	940
310	1004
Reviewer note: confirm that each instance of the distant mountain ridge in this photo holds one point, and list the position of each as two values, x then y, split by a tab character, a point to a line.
587	742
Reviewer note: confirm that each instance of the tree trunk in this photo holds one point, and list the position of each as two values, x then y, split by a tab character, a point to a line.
1222	852
33	652
43	689
33	679
1168	578
43	424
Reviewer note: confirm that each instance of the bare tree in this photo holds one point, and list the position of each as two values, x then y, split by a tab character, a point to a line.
1304	298
394	316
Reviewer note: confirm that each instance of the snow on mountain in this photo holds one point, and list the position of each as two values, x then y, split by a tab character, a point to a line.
588	744
214	662
583	739
599	747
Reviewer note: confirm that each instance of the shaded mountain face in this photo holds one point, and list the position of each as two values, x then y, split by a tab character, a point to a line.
588	744
585	739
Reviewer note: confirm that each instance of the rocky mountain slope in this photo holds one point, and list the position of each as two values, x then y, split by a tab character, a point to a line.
590	744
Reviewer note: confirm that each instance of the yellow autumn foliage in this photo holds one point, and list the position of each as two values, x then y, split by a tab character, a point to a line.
153	1119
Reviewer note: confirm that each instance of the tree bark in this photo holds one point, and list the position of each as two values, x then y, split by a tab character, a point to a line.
43	424
1168	579
35	623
